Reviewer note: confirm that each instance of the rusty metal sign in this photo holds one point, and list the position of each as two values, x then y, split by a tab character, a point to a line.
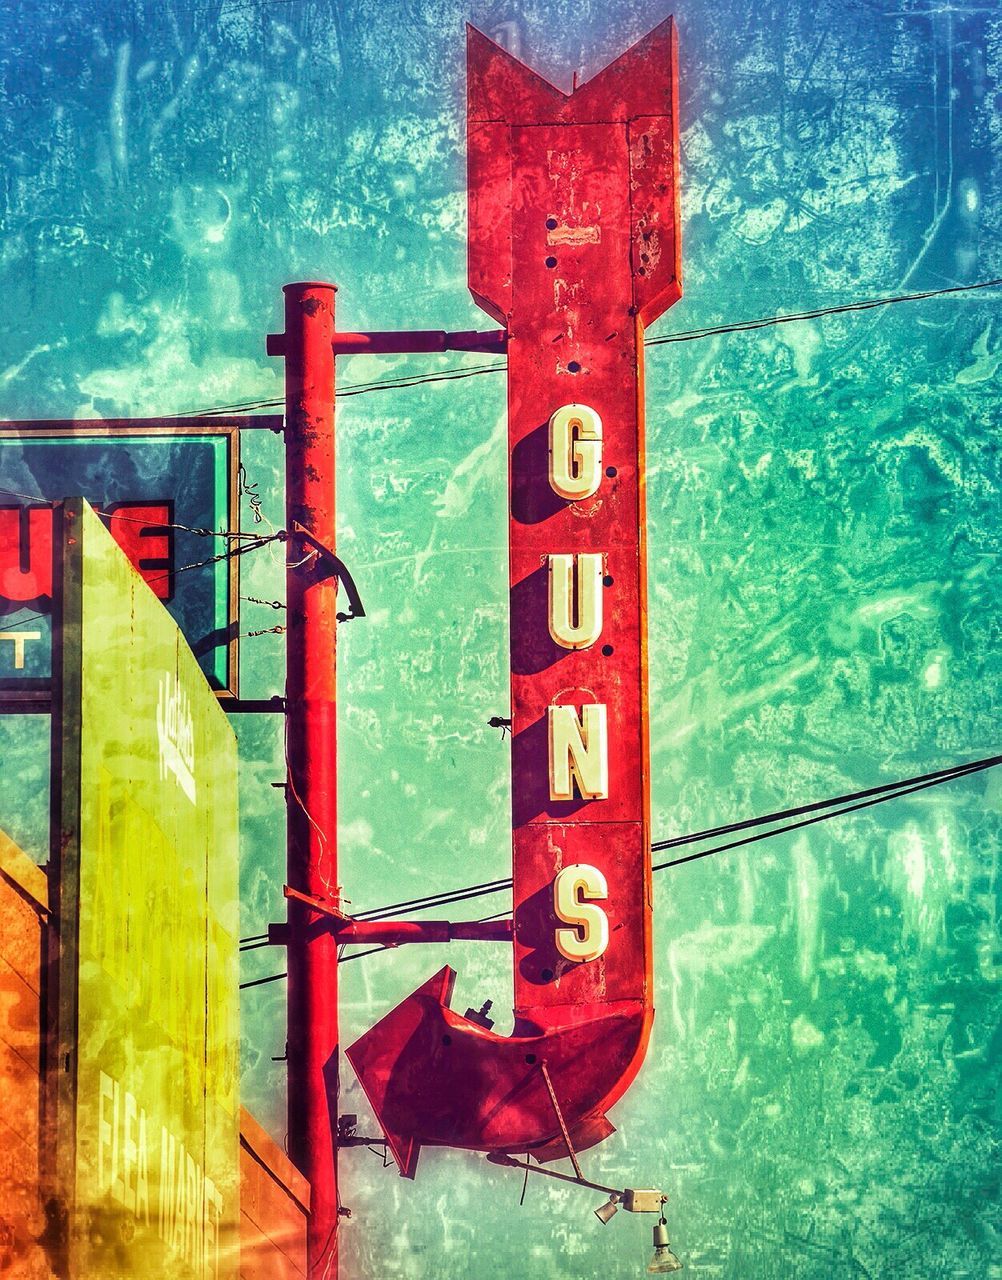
574	249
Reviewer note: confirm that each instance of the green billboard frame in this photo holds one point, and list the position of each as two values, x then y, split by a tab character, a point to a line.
128	434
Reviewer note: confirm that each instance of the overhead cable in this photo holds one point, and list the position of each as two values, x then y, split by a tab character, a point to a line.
399	381
823	810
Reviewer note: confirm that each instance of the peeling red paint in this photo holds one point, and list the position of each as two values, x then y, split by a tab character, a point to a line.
574	248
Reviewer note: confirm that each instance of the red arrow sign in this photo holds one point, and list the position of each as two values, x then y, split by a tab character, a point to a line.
574	247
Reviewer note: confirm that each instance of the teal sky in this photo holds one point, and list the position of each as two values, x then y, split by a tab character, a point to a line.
820	1097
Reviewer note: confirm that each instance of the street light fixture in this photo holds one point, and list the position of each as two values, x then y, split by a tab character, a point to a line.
608	1210
663	1259
633	1199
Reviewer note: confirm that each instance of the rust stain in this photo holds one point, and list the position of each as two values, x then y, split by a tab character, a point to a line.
574	235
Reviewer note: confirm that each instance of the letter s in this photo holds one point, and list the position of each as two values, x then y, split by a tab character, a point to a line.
575	888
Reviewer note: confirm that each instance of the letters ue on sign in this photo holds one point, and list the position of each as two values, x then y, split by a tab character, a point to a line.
153	484
574	248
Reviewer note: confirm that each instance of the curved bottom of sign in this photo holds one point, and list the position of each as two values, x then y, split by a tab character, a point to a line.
434	1078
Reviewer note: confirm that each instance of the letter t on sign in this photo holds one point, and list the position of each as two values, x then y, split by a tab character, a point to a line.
18	638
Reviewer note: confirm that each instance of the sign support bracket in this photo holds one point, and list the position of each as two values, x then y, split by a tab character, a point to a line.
560	1119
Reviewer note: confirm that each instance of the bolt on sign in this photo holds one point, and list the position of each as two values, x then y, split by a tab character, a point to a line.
143	1075
574	248
153	483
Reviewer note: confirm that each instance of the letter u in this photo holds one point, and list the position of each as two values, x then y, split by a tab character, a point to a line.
575	599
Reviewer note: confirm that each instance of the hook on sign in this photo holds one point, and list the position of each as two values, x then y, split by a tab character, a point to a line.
330	565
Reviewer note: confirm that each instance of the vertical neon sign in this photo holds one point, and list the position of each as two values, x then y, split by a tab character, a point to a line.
574	248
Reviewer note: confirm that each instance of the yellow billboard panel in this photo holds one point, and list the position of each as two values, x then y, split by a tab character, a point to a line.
146	1079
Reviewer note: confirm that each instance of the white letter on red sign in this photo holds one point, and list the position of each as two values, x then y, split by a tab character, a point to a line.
579	751
574	888
575	452
575	599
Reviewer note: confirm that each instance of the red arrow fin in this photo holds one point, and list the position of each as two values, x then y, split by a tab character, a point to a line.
638	91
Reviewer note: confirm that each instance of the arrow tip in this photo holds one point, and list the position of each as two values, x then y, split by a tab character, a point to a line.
377	1057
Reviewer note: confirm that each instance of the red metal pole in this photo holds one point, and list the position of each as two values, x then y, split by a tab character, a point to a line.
311	761
386	341
394	933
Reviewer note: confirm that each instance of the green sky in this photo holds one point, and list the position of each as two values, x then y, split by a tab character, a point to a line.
820	1094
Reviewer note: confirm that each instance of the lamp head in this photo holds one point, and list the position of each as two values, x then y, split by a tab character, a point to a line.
608	1210
663	1259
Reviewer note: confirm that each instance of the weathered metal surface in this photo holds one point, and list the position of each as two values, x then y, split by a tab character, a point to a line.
385	341
311	756
274	1208
574	248
24	903
395	932
434	1076
140	999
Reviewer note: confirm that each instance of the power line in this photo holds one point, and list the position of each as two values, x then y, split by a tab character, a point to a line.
888	791
251	542
260	982
393	382
837	806
432	900
939	775
417	379
357	955
400	381
143	520
823	817
253	545
743	326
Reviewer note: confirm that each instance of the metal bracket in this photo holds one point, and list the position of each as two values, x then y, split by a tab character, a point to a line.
632	1199
318	904
333	566
347	1136
386	342
501	722
560	1120
274	705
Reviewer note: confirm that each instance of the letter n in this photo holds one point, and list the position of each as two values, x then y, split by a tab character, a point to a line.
579	752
